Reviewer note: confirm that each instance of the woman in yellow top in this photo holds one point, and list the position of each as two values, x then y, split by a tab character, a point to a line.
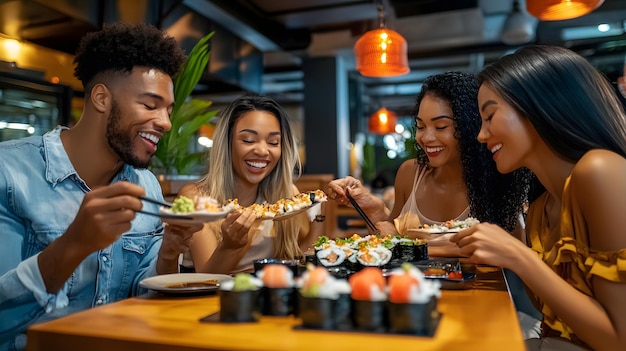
549	110
253	158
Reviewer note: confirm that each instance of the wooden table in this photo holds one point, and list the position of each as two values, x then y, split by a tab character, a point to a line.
482	318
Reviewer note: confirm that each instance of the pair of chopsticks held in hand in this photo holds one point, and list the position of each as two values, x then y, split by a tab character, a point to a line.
358	208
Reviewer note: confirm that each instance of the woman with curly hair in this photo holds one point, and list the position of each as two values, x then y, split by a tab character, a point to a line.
453	176
253	158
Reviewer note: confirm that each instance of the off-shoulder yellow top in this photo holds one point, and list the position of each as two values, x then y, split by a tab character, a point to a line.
570	257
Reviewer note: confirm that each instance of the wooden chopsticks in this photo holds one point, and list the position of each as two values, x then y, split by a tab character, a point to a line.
358	208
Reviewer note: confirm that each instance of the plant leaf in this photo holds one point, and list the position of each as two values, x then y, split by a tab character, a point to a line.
188	115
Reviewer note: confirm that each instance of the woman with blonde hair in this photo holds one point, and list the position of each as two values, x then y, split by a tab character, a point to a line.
253	159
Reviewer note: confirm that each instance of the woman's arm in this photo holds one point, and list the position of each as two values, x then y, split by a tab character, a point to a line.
598	185
403	186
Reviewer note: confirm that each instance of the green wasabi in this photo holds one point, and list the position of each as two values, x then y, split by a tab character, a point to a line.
183	204
243	282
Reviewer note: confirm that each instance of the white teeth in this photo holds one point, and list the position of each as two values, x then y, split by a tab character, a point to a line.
496	148
257	164
434	149
150	137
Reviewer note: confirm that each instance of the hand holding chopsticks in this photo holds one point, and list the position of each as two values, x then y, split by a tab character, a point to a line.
358	208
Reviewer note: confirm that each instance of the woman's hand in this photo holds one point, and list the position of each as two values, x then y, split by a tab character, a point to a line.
373	206
386	228
487	243
235	228
176	239
337	191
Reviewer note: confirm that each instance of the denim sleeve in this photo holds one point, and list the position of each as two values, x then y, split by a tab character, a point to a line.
23	296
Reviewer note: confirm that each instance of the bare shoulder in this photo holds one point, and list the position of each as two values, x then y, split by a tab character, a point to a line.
405	175
598	183
599	168
408	169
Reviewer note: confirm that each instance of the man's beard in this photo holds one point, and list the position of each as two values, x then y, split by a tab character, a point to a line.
120	141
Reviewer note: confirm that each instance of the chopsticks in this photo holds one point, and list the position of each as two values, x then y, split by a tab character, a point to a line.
155	201
358	208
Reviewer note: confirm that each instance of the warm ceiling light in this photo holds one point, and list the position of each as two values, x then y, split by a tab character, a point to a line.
557	10
381	52
382	121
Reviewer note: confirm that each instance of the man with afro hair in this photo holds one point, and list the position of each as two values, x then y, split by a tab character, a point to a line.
71	231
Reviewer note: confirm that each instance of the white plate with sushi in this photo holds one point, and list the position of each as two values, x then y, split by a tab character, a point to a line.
185	283
168	216
451	226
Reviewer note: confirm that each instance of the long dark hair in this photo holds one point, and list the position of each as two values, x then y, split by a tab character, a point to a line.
493	197
572	105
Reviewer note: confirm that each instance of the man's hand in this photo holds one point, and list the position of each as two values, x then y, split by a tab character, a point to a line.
103	216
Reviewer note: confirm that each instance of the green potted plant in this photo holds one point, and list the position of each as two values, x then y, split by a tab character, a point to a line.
173	156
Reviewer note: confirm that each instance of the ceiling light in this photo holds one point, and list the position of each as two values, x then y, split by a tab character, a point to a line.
519	27
382	121
557	10
594	31
381	52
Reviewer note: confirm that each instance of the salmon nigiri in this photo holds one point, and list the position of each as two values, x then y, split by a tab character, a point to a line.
368	284
407	284
276	276
402	286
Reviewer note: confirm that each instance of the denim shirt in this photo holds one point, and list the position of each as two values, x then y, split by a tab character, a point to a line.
40	193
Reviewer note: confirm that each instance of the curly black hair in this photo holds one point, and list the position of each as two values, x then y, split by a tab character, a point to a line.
119	47
493	197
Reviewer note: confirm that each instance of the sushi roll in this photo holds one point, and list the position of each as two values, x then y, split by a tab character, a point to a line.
324	302
420	250
317	196
331	256
278	295
368	299
404	250
239	299
412	301
375	256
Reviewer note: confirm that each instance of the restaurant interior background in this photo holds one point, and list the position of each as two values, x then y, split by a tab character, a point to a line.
299	52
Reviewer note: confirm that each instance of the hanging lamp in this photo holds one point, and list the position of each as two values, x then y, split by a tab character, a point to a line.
519	27
381	52
382	121
557	10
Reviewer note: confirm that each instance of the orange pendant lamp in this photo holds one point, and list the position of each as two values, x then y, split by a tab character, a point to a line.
381	52
382	121
557	10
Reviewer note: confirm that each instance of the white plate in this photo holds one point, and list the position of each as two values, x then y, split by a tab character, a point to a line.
437	230
167	283
289	214
168	216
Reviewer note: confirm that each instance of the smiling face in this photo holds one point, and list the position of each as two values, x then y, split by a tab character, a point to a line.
256	146
435	131
509	136
139	114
